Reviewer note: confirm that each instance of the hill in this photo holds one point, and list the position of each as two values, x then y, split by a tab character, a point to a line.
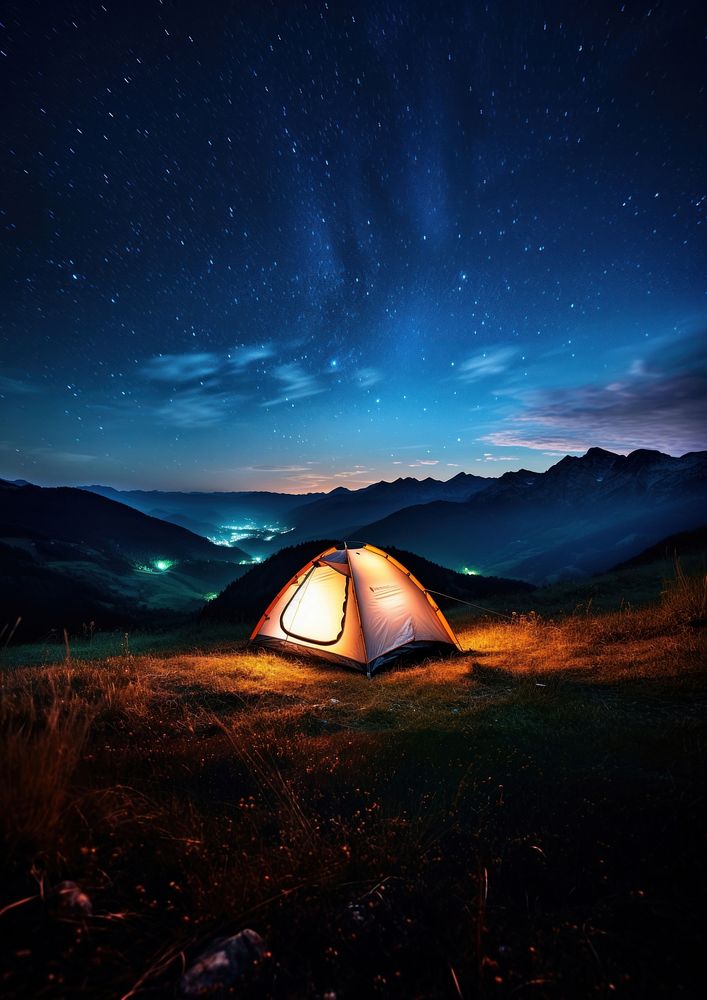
684	544
69	515
69	557
246	598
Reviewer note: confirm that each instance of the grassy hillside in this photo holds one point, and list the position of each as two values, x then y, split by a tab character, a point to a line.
524	819
70	558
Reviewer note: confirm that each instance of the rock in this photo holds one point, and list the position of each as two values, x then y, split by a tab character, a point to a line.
69	900
222	963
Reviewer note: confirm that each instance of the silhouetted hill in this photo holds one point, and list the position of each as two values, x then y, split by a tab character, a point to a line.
581	516
67	514
247	598
46	598
68	556
684	543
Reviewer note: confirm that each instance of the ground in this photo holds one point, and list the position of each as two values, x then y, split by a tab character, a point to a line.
523	820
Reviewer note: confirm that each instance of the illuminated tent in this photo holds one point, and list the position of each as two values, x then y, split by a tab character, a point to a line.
354	605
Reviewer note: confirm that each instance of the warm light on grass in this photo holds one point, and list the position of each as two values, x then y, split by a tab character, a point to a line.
290	794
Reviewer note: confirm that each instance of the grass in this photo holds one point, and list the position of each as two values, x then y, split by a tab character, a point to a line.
522	820
118	643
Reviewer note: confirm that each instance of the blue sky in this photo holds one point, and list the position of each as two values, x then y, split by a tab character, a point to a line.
292	247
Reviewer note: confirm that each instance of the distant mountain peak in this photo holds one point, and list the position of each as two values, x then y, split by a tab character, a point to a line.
645	456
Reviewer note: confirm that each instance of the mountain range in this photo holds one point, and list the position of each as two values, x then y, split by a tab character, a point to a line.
70	554
581	516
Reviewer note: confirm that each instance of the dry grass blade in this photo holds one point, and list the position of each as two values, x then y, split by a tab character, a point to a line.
43	739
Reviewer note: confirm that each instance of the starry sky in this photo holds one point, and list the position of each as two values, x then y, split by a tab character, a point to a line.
298	245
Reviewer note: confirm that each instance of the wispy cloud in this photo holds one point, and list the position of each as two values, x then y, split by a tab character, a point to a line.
294	384
278	468
366	377
482	365
488	457
423	461
539	441
49	453
240	357
16	386
354	473
181	368
194	409
660	402
203	386
74	457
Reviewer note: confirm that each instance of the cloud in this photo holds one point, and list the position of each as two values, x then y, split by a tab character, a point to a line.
294	383
488	457
423	461
16	386
366	377
194	409
278	468
78	458
241	357
181	368
192	365
660	402
483	365
47	452
354	473
541	442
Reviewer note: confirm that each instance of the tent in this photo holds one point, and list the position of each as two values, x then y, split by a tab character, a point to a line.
355	605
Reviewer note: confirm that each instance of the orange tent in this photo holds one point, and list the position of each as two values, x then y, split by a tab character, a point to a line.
354	605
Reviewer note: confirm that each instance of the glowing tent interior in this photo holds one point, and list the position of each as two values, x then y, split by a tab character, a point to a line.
356	605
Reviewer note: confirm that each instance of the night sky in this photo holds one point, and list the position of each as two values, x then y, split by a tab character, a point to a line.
301	245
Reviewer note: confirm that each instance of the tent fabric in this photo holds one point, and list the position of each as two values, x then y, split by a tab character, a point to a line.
355	605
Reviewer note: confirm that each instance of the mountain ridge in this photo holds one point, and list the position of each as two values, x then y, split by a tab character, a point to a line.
581	515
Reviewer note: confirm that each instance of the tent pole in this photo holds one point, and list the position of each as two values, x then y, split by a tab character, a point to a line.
358	615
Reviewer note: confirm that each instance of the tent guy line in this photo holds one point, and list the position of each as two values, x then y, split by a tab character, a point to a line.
500	614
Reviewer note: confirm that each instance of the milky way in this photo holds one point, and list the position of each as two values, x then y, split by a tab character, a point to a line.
295	245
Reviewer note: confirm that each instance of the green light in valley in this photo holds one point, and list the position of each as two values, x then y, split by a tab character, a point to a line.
469	572
211	597
162	565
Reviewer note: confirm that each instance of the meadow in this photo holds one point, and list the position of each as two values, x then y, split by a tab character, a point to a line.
523	820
